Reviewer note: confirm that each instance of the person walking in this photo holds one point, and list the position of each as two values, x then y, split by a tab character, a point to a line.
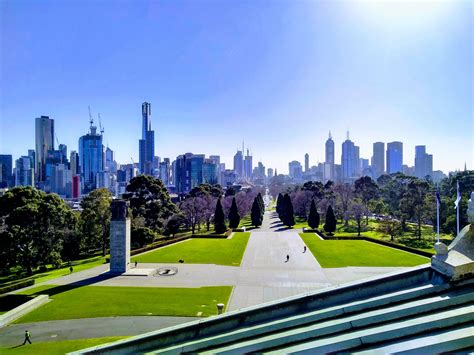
287	258
27	337
71	269
136	263
304	249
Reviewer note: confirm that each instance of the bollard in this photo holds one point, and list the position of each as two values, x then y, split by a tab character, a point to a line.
220	308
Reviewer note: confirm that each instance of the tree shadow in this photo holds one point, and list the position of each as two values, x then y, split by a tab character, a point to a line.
283	228
87	282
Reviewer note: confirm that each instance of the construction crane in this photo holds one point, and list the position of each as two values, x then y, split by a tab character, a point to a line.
100	125
91	120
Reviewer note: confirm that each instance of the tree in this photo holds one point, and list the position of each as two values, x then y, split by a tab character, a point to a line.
301	200
279	204
219	219
414	202
142	236
207	209
313	218
367	190
288	213
330	222
357	210
32	228
391	227
192	211
149	198
95	219
234	217
173	224
256	214
344	196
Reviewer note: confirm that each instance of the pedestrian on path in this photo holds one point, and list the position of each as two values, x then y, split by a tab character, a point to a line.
71	269
304	249
136	264
287	258
27	337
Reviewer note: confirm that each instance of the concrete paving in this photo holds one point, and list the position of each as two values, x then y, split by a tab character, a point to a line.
86	328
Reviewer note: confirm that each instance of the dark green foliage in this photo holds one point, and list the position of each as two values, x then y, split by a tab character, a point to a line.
219	219
16	286
313	217
279	204
174	224
230	191
149	199
95	219
234	217
330	223
32	228
367	190
261	203
256	214
288	212
206	190
142	236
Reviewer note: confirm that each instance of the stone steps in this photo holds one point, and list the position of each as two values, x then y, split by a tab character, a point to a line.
370	323
309	318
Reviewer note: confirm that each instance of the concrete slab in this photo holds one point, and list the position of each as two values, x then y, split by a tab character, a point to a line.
139	272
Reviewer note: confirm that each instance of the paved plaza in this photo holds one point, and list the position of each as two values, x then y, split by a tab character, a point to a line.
264	275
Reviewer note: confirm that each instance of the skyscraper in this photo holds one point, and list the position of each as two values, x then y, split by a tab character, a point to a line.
189	172
295	170
6	178
147	143
378	159
248	165
394	157
350	163
91	158
23	172
44	136
423	162
239	163
329	162
306	163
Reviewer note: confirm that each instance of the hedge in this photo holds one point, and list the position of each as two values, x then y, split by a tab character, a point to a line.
16	286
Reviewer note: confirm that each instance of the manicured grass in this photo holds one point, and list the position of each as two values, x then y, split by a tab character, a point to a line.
246	222
342	253
57	347
50	274
201	251
300	223
102	301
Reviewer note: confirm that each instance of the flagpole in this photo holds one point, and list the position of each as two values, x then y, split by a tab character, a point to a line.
457	208
437	209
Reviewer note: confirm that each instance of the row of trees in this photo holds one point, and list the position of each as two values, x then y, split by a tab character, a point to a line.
403	198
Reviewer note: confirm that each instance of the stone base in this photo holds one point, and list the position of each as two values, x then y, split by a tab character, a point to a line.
139	272
458	262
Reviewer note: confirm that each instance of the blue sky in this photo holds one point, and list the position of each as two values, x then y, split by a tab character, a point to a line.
277	74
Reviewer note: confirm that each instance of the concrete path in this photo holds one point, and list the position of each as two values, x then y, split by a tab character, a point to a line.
86	328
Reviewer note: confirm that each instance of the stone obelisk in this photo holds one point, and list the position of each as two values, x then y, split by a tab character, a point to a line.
119	237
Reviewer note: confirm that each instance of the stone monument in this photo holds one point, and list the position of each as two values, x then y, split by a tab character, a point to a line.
119	237
457	260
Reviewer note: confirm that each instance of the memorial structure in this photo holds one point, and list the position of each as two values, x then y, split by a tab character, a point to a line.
119	238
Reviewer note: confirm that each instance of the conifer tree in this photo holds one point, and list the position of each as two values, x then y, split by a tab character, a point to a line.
219	219
234	217
255	214
288	212
279	204
330	223
313	218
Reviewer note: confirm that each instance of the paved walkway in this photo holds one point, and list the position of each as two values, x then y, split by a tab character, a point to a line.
86	328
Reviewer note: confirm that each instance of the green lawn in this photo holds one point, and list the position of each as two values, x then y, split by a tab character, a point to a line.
102	301
201	251
78	265
246	222
341	253
57	347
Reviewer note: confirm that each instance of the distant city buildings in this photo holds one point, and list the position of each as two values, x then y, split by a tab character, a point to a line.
350	161
193	170
6	171
423	162
44	136
329	162
24	172
91	158
378	160
239	164
295	170
394	157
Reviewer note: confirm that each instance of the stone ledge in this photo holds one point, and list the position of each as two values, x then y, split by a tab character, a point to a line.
23	309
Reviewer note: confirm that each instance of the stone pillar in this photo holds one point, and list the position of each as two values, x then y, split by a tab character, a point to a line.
119	237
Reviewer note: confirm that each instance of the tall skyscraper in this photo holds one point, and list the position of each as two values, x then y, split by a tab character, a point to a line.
44	136
270	173
165	171
329	162
23	172
74	163
394	157
147	143
423	162
306	163
248	165
350	163
239	163
91	158
189	172
295	170
6	178
378	160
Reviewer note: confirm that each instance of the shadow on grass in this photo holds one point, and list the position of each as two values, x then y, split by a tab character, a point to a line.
87	282
8	302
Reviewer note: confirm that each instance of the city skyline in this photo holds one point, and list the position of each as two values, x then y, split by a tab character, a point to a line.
277	75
